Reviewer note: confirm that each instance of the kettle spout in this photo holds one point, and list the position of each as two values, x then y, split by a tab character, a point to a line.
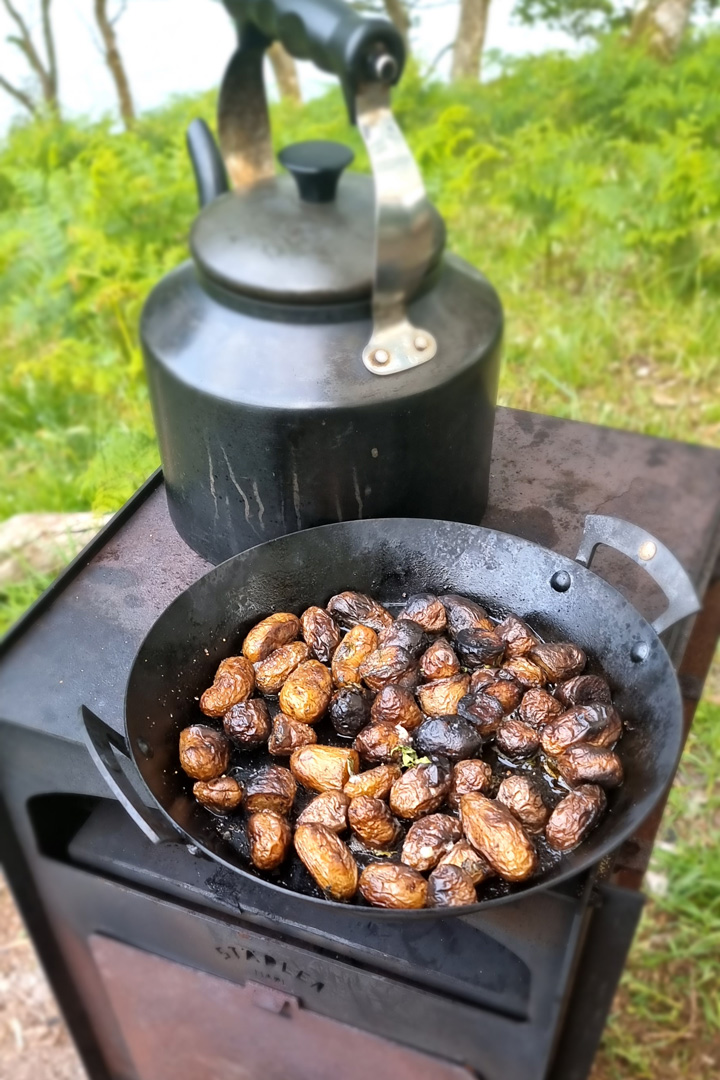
208	166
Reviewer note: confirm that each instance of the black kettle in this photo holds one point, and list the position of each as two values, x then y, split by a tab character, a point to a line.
320	358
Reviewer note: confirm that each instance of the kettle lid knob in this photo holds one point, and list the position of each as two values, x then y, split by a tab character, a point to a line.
316	167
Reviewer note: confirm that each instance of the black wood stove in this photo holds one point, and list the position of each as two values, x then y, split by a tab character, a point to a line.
168	966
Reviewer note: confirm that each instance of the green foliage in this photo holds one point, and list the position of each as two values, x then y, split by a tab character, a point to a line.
589	18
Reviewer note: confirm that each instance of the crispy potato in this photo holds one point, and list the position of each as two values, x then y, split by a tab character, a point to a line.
559	660
321	633
328	859
382	742
499	837
584	690
467	776
393	885
375	782
419	791
272	788
528	674
391	666
353	609
574	817
350	710
464	855
306	694
371	820
329	808
324	768
464	614
439	661
407	634
352	651
522	796
450	886
478	647
220	795
483	711
271	673
517	636
270	634
204	752
425	610
248	723
538	707
270	839
508	692
428	839
447	736
586	764
598	725
287	735
234	682
394	705
516	738
441	697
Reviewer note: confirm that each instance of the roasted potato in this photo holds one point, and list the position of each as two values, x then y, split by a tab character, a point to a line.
329	808
393	705
391	666
439	661
528	674
349	710
324	768
483	677
517	739
204	752
574	817
234	682
306	694
352	651
321	633
271	673
371	820
287	735
464	614
584	690
328	859
517	636
352	609
464	855
441	697
375	783
447	736
559	660
483	711
428	839
450	886
382	742
272	788
598	725
586	764
407	634
270	839
538	707
508	692
467	776
220	795
427	611
393	885
248	723
479	648
419	791
496	833
270	634
522	796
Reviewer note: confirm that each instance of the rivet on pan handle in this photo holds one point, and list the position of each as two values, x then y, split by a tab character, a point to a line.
102	742
649	553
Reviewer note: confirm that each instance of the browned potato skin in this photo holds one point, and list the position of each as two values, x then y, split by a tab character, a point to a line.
483	710
394	705
427	611
287	735
321	633
330	809
352	608
499	837
467	776
381	743
371	820
464	614
517	635
464	855
521	796
393	885
375	783
428	839
324	768
270	634
306	694
328	860
248	723
391	666
508	692
516	738
234	682
481	678
441	697
439	661
584	690
586	764
599	725
270	839
204	752
450	886
221	795
559	660
419	791
528	674
271	673
353	650
538	707
273	788
574	816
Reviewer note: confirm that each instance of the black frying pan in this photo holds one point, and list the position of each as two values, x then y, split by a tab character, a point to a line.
561	599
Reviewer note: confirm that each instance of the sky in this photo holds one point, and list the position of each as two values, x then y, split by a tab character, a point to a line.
180	46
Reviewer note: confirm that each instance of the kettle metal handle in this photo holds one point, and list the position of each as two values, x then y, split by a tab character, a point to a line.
368	57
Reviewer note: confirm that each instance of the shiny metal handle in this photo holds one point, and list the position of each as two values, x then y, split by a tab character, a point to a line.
648	552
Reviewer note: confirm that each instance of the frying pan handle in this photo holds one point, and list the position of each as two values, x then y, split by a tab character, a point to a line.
102	742
648	552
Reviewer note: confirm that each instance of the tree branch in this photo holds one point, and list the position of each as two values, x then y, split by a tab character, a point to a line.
23	98
49	39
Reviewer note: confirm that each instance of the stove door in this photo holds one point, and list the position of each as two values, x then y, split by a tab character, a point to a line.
181	1024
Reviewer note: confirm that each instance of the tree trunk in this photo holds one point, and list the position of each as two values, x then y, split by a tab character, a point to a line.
472	28
114	62
660	25
285	73
399	16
